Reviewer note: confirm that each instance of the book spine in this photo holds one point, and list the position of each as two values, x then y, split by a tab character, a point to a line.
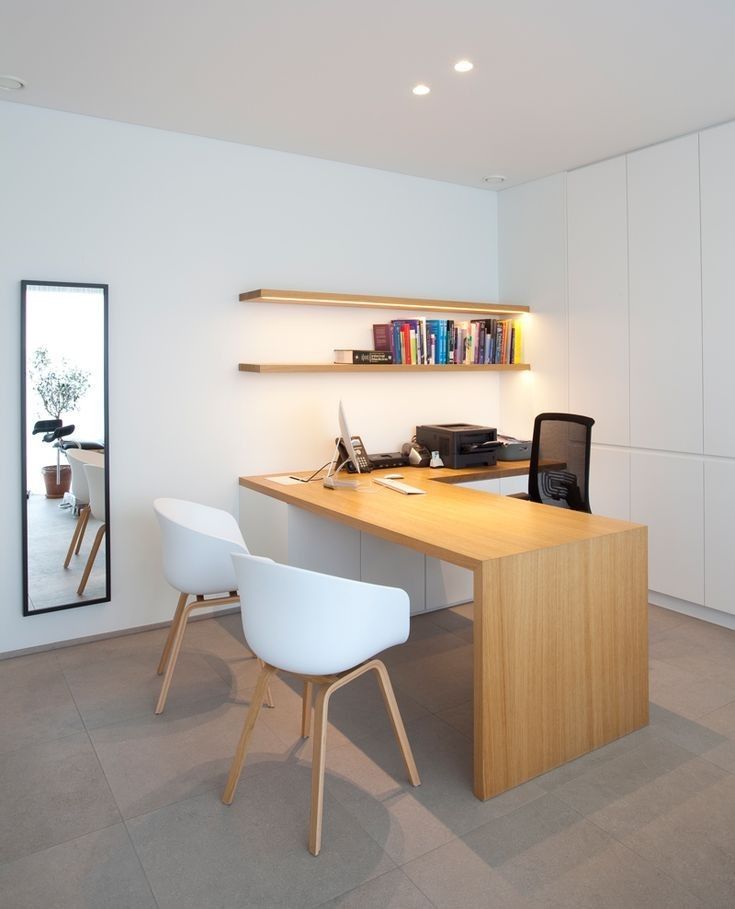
382	337
406	343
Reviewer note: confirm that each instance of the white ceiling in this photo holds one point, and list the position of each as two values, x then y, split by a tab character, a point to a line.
557	83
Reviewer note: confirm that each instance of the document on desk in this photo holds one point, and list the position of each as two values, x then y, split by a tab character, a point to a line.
286	481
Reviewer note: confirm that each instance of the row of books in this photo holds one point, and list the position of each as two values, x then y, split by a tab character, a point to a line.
447	341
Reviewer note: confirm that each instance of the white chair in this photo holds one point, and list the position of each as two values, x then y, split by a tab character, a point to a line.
80	490
324	630
198	542
95	474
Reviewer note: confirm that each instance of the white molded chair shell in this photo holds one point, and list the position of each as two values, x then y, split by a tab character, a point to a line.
95	474
198	543
77	458
315	624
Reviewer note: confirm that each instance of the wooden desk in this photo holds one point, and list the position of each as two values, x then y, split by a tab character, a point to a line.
560	610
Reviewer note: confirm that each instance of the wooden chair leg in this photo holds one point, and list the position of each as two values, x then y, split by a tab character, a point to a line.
306	710
183	597
394	713
318	762
87	511
173	656
241	751
80	522
92	557
268	694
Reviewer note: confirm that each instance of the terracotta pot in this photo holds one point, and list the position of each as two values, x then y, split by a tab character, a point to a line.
56	490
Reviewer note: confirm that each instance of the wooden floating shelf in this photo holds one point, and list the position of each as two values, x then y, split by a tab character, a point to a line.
362	301
381	367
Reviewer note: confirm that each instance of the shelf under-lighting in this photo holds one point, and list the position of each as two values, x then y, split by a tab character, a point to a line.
382	367
312	298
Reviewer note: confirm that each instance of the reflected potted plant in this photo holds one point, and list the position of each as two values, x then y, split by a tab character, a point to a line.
60	387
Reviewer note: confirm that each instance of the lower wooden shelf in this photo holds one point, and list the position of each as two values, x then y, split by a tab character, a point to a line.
381	367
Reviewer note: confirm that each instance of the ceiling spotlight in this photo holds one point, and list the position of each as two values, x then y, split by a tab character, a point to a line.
463	66
421	89
494	178
11	83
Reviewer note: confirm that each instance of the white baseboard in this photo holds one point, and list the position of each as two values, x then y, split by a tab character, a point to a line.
692	609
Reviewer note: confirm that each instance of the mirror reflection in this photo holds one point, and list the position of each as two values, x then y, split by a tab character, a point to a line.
64	441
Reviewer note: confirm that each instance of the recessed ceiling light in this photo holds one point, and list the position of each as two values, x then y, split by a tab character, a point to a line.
421	89
494	178
463	66
11	83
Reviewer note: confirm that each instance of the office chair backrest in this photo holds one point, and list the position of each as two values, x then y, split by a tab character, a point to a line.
565	437
77	459
198	542
316	624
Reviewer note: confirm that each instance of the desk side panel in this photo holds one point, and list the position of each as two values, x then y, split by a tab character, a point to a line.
561	656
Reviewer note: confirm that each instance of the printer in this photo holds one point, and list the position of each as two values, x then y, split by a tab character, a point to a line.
460	444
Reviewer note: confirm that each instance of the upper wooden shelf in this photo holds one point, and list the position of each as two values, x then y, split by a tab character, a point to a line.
381	367
313	298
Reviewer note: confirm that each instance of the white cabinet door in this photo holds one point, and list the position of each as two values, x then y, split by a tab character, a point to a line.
597	238
610	483
717	150
396	566
447	584
665	297
510	485
667	494
483	486
719	508
322	545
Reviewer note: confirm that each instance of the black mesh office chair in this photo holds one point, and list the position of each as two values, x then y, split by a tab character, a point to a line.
564	437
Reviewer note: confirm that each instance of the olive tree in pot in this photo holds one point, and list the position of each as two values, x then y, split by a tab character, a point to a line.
60	387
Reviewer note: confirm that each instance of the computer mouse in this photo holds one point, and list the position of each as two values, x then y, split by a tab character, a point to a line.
393	476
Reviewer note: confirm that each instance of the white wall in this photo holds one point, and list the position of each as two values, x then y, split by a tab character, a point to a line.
532	253
178	226
648	310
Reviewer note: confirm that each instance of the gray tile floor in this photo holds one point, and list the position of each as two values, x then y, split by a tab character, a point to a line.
102	804
50	530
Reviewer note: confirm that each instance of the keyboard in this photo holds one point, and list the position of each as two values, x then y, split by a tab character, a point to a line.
397	486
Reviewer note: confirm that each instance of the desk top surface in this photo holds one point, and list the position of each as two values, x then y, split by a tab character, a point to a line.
460	525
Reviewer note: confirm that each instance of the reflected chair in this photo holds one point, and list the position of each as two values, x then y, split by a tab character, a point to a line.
198	542
80	490
565	438
326	631
95	476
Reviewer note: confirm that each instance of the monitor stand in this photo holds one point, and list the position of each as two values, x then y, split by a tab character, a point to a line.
334	483
331	481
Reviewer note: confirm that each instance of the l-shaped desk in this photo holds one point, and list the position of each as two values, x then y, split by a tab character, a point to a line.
560	609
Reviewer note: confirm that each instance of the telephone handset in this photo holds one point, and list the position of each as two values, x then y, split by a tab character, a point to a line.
360	452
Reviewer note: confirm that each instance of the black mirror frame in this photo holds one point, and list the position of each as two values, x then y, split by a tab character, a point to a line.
24	285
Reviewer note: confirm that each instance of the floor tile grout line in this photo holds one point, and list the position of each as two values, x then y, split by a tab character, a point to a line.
25	855
372	880
140	862
644	859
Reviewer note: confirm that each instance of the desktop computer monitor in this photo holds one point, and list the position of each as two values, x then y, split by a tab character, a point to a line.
347	437
345	444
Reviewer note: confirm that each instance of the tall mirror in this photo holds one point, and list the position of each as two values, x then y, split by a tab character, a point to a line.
64	445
